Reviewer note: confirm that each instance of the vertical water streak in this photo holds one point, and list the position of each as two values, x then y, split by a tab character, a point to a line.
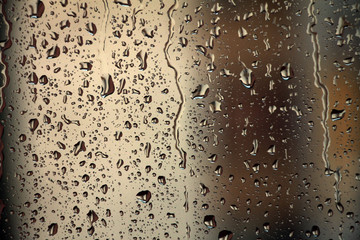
5	75
182	99
325	102
186	208
177	77
102	53
319	84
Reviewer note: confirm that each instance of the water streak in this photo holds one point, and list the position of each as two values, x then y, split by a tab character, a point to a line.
177	77
176	121
102	53
319	84
325	100
5	75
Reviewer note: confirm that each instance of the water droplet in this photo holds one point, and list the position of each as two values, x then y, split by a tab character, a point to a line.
212	158
218	171
161	180
209	221
53	229
266	227
286	72
183	42
92	216
147	149
204	190
91	230
37	12
43	80
108	87
53	52
225	235
255	147
349	61
340	27
144	196
201	91
33	79
104	188
142	56
33	123
79	147
201	49
242	33
91	28
147	32
315	230
337	114
215	106
247	78
126	3
85	66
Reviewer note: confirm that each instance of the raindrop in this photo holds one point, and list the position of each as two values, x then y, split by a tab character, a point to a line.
85	66
161	180
79	147
104	188
91	28
53	52
286	72
142	56
225	235
209	221
33	123
107	87
247	78
215	106
92	216
53	229
337	114
144	196
126	3
201	91
315	231
218	171
37	12
242	32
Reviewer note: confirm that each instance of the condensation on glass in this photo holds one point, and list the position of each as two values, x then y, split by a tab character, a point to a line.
126	119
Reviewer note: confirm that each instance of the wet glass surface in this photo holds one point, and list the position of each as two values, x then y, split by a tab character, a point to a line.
180	119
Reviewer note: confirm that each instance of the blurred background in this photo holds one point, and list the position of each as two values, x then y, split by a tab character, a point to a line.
126	119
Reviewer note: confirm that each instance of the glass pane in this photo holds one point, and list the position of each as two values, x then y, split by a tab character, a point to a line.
126	119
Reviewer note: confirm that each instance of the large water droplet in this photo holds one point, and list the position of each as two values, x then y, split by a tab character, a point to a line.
201	91
108	87
53	229
337	114
144	196
286	72
209	221
247	78
225	235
